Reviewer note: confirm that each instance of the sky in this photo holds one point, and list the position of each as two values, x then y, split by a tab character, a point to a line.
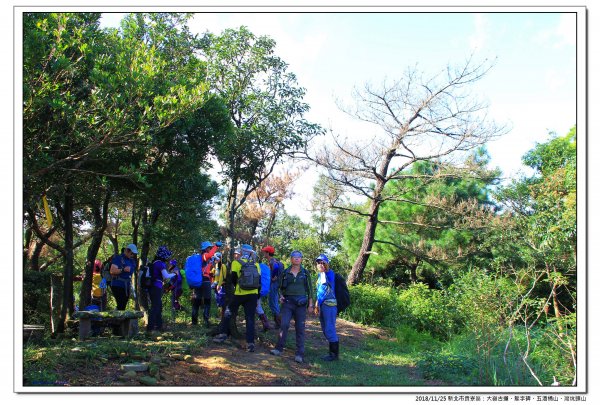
531	88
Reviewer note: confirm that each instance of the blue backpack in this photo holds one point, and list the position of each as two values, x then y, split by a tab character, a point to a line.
193	270
265	279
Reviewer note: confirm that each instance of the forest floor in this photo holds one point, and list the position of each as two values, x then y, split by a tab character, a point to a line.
185	356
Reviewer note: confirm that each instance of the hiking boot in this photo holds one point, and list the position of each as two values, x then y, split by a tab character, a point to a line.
334	349
250	348
265	322
220	338
277	320
298	359
275	352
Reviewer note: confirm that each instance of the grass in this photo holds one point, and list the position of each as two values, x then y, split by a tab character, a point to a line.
377	362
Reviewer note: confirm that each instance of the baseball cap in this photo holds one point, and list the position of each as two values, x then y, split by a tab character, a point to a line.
323	258
133	248
269	249
296	253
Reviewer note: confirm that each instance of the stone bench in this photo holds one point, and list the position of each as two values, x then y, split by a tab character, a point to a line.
125	323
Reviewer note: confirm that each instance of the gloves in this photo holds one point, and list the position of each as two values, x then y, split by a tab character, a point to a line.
218	244
103	284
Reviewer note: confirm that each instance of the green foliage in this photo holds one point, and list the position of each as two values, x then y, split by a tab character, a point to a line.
420	308
458	368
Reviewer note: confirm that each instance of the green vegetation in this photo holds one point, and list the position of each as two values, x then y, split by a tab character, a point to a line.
474	281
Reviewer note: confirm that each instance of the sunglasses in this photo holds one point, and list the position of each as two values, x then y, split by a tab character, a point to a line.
320	262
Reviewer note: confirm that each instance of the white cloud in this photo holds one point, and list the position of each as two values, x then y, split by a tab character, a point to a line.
478	40
565	32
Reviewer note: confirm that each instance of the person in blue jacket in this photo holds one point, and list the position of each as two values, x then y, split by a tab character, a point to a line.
159	273
326	308
121	268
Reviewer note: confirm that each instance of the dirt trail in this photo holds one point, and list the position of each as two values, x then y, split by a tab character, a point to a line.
229	364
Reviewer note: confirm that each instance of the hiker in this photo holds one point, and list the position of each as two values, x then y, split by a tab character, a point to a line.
276	268
222	288
296	298
177	290
326	308
245	276
99	296
121	268
265	285
158	273
198	268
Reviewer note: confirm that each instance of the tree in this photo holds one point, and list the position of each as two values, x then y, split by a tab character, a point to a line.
265	106
420	120
93	102
435	223
539	251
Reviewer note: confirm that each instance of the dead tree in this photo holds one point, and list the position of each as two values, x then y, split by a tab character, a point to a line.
414	119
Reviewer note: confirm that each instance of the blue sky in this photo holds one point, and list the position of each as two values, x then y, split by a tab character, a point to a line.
531	88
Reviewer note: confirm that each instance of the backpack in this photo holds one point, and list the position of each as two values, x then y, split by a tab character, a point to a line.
249	278
146	278
265	279
193	270
105	272
342	294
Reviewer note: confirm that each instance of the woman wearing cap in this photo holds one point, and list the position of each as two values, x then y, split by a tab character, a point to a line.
159	273
295	296
326	308
121	268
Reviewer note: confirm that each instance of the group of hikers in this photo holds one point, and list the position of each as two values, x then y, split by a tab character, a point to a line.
289	291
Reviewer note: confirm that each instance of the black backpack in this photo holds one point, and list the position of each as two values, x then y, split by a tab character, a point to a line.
249	278
146	277
342	294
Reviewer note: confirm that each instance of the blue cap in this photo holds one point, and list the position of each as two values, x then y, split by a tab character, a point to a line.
296	253
205	245
248	248
218	255
173	262
322	257
133	248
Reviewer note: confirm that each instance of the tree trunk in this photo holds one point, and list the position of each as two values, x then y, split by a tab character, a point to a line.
67	300
369	236
55	300
100	223
135	224
27	240
231	209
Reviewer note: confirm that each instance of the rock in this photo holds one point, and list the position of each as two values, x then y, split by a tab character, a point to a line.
177	356
148	380
195	368
138	356
188	359
156	360
130	374
135	367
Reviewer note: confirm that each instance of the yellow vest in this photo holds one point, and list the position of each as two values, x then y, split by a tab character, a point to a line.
235	268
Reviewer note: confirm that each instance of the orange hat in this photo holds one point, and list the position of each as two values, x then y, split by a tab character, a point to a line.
269	249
